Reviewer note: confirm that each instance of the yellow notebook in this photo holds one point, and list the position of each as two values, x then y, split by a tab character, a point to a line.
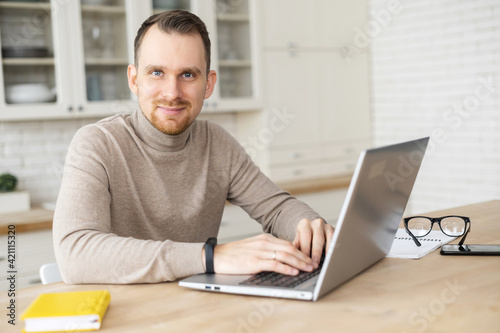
70	311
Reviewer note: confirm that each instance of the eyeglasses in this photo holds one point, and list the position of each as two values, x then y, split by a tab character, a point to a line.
451	225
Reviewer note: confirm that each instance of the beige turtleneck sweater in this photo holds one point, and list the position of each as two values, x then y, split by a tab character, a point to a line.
137	205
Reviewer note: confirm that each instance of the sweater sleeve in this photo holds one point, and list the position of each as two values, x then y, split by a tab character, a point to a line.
86	249
277	210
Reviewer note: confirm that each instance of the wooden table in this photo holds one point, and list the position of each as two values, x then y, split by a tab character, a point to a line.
316	184
31	220
433	294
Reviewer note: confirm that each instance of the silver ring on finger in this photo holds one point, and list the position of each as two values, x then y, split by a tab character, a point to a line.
274	255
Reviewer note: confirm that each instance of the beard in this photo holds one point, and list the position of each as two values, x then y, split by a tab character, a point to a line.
171	125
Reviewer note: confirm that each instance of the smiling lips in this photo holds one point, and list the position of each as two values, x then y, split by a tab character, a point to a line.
171	110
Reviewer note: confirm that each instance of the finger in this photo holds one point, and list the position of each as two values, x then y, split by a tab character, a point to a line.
329	230
279	267
274	244
318	241
304	236
294	258
290	254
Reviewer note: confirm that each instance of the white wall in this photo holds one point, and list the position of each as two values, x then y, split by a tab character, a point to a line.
436	71
34	152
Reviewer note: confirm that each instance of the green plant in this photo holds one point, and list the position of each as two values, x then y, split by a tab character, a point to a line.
8	182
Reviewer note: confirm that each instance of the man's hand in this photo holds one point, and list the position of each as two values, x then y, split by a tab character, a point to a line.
311	237
260	253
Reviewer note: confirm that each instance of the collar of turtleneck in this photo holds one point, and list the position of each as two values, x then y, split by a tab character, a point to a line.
156	139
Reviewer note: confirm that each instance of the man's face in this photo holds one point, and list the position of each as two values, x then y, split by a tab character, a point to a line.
170	79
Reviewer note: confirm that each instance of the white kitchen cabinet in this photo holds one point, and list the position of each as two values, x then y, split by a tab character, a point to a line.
307	72
325	94
339	21
67	59
33	249
235	57
290	23
101	55
33	38
289	82
328	97
312	24
74	55
343	93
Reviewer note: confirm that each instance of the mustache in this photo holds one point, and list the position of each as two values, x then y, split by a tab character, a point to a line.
172	104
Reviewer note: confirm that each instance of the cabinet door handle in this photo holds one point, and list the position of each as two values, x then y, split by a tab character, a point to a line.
70	108
80	108
291	52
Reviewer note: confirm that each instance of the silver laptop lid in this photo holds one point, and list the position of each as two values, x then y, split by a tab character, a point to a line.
377	197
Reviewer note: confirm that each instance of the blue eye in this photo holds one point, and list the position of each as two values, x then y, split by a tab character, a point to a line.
188	75
156	73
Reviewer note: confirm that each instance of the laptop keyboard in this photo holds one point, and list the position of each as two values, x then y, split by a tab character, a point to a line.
273	279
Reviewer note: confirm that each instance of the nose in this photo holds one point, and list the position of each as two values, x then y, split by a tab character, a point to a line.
171	89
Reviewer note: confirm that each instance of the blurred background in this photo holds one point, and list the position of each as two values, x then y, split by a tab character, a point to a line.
304	85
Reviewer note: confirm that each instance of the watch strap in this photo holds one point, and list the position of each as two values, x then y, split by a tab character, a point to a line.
209	254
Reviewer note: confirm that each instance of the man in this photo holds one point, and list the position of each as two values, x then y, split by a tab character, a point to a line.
141	193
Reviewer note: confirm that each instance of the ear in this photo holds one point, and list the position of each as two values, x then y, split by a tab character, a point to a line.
132	78
211	80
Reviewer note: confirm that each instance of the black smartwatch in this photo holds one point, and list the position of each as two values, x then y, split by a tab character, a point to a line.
209	254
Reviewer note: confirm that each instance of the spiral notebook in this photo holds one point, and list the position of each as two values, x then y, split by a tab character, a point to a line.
404	247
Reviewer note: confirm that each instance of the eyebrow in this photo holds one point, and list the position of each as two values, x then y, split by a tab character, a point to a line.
192	69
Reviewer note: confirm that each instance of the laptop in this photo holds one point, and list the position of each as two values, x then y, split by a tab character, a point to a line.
374	205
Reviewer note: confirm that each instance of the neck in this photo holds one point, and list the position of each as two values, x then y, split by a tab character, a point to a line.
156	139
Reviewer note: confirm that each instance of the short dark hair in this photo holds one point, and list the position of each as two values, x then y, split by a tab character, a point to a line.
174	21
